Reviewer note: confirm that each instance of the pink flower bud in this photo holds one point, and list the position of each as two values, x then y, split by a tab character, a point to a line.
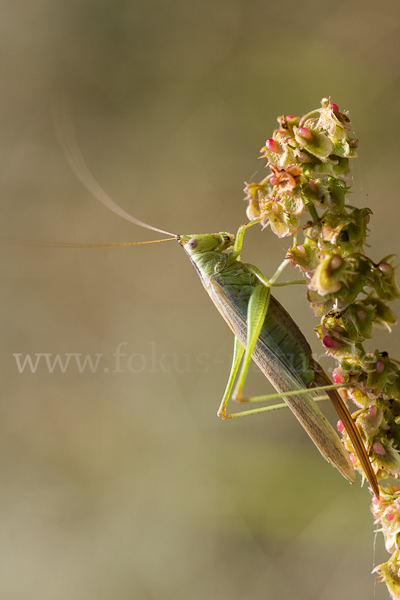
303	156
337	377
376	500
386	269
380	366
329	342
334	107
373	411
272	146
301	250
290	117
339	329
273	180
340	426
313	186
353	459
390	516
336	262
379	449
305	133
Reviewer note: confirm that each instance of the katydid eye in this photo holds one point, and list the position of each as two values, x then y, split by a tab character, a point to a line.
193	243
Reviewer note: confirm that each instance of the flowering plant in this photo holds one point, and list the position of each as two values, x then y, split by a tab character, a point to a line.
309	159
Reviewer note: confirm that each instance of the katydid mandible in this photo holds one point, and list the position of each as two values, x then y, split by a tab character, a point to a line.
263	329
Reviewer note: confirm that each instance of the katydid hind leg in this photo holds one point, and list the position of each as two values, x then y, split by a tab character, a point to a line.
351	429
296	392
262	409
238	351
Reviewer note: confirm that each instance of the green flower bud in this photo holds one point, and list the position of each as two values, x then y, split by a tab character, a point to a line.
378	371
371	420
352	233
292	204
318	145
360	399
341	166
331	120
357	320
329	274
320	305
384	317
383	280
282	223
253	210
343	147
304	256
333	224
386	456
303	157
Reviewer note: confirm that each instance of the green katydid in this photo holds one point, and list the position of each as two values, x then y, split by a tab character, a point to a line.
263	330
266	333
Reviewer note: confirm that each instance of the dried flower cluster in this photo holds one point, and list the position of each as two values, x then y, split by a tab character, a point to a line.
308	160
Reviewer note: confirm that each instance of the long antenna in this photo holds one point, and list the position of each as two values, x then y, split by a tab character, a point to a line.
73	245
69	145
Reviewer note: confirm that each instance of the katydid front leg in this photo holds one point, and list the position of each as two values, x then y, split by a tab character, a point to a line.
256	312
257	309
237	248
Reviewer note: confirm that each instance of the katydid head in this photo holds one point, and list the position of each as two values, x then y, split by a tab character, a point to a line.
205	242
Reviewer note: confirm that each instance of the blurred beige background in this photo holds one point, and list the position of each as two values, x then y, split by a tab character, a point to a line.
125	485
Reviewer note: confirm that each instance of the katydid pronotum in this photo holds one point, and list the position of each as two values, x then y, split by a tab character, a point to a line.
263	331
